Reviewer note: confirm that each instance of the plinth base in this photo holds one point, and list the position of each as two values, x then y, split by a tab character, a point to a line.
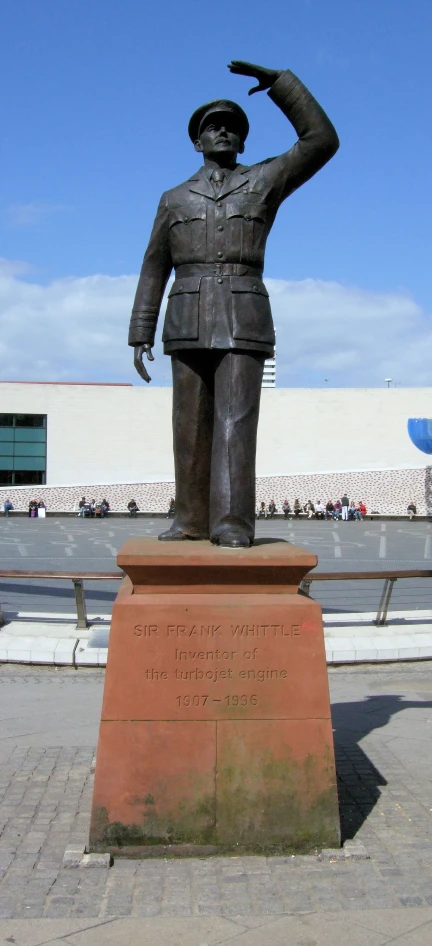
215	731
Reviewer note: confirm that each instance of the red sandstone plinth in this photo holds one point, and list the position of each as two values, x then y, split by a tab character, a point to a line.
215	732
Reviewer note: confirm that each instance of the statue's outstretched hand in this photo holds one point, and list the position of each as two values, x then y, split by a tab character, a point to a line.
139	351
266	77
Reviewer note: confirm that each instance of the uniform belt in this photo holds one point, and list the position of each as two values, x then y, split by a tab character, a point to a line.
217	269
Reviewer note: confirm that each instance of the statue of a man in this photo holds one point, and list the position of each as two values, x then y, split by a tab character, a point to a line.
218	326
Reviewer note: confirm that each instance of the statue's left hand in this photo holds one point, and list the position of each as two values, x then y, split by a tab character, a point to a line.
139	352
266	77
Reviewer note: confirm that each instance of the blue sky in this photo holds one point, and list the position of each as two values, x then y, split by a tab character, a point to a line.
96	100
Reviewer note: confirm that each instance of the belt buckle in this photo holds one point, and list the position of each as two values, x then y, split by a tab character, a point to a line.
217	269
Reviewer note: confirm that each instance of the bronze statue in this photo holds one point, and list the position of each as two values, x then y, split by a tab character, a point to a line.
218	326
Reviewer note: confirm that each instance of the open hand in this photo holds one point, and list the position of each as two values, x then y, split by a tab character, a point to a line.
266	77
139	351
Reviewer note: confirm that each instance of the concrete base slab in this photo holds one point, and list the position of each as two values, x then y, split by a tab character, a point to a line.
86	656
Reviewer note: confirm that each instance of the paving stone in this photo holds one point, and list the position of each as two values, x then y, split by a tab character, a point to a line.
73	856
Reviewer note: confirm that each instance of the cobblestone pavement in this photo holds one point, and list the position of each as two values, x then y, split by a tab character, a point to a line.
383	729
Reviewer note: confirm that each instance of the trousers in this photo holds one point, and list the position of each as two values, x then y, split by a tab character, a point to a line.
216	399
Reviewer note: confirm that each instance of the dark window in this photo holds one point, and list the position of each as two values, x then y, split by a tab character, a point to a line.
22	449
29	477
30	420
6	477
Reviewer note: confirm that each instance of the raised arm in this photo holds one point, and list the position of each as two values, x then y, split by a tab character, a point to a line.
317	138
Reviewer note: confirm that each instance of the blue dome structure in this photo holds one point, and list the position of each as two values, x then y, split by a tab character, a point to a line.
420	432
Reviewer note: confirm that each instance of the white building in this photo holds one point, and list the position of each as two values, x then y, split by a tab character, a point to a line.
65	440
269	376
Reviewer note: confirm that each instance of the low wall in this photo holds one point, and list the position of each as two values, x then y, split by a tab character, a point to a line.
384	491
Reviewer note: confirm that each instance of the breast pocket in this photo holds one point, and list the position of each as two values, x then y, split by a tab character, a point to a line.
187	233
182	314
248	225
251	312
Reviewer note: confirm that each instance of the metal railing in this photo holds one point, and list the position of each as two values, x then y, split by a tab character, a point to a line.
390	578
77	579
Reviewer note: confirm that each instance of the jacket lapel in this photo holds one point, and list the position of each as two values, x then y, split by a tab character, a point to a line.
200	184
237	179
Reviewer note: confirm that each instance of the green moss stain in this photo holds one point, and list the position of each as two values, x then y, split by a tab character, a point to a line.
262	805
277	804
184	825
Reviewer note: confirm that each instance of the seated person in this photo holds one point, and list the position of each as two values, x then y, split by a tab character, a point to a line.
411	510
309	508
272	508
360	510
337	512
32	509
132	506
319	510
297	508
286	508
352	510
329	510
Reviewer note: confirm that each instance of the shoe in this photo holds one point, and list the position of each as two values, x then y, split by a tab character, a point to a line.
232	540
177	535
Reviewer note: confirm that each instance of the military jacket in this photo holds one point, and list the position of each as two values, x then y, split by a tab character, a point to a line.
216	242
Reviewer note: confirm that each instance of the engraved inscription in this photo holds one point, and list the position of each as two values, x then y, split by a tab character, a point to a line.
194	700
234	700
194	630
200	656
198	674
264	630
146	630
205	654
262	675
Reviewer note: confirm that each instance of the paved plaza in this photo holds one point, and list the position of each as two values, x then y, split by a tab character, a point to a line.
383	724
382	719
69	543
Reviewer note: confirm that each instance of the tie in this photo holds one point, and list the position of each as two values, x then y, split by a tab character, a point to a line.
217	179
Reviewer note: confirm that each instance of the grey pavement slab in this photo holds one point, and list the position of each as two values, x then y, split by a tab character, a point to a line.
365	928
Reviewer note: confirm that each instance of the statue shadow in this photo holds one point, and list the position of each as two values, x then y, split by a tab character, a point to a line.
359	781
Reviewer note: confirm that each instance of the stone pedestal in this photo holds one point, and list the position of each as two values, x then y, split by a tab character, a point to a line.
215	732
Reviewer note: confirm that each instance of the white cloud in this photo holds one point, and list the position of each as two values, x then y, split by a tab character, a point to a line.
76	330
13	267
349	335
28	215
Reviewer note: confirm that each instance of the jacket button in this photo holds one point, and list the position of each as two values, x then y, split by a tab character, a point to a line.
256	288
180	288
220	255
220	280
186	220
219	203
248	217
220	228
